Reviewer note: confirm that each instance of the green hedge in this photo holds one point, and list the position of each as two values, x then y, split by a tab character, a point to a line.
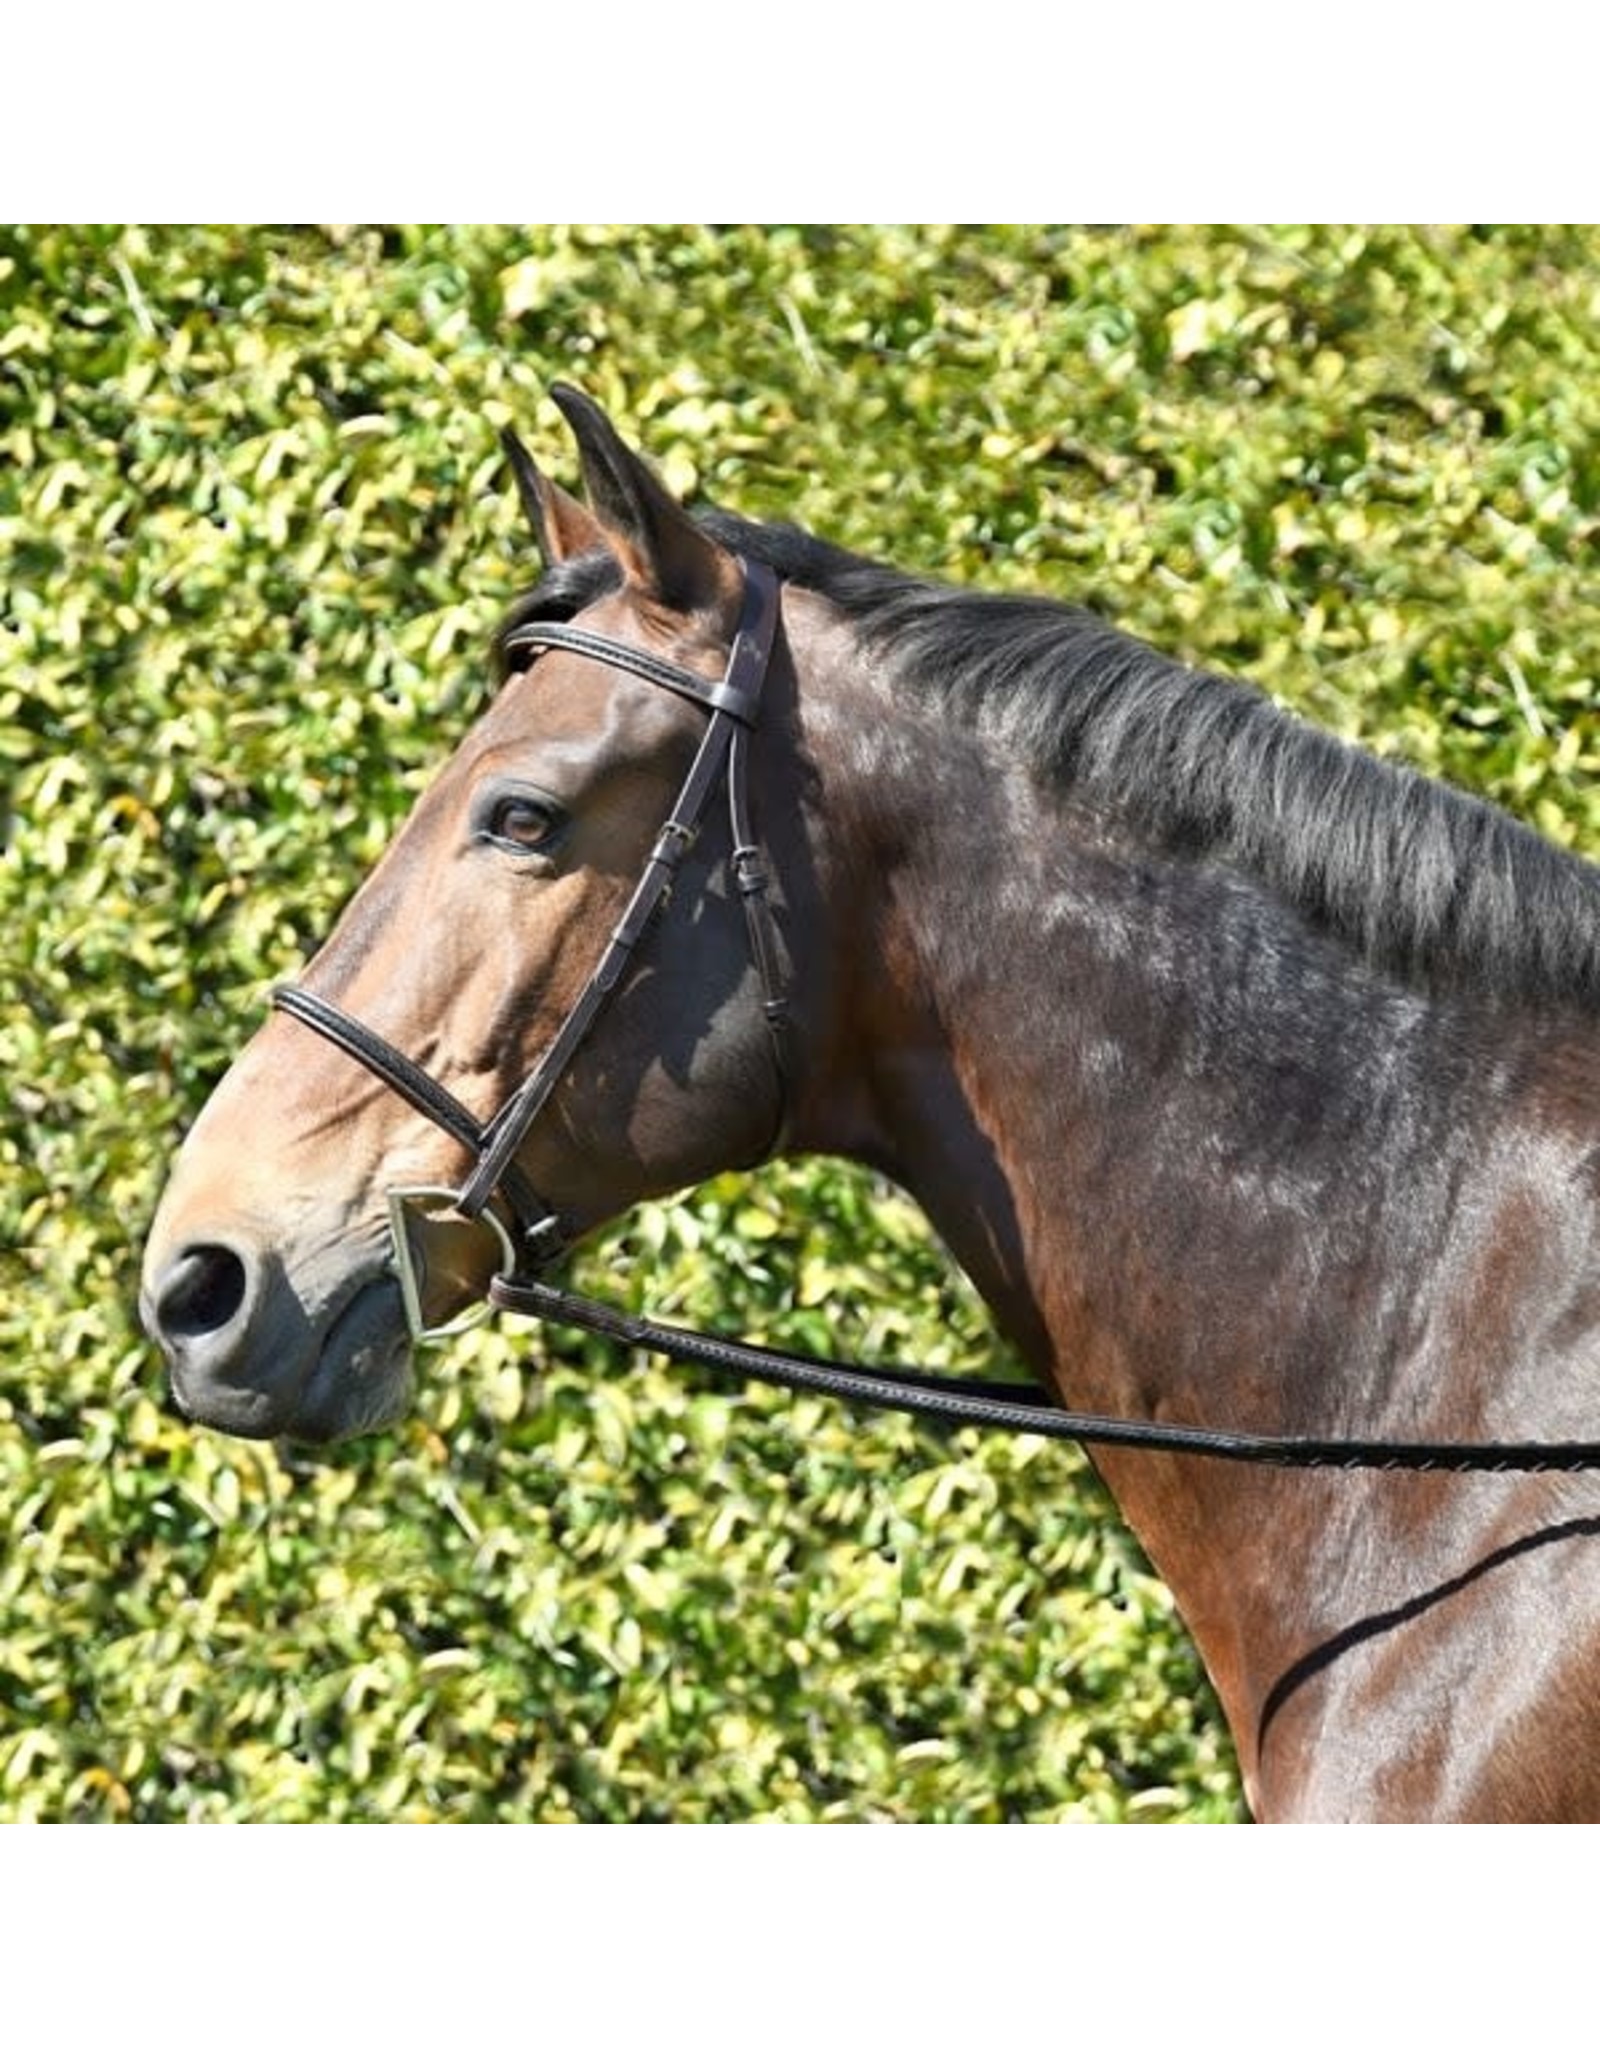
253	535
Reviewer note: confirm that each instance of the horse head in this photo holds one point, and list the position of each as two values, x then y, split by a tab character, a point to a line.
549	1059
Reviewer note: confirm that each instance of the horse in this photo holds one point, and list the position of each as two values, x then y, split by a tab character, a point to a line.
1252	1079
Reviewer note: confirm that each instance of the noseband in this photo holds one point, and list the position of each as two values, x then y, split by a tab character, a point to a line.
540	1233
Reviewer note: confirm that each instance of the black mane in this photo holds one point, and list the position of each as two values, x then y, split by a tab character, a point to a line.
1424	881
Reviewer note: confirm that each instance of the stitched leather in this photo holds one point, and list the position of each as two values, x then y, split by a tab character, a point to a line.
1019	1405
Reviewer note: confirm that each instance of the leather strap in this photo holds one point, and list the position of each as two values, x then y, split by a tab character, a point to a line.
753	882
1021	1405
739	691
747	666
414	1084
509	1127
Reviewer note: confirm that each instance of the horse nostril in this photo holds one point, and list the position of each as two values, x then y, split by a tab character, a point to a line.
201	1291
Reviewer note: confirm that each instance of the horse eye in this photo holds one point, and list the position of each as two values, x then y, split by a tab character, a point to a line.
523	824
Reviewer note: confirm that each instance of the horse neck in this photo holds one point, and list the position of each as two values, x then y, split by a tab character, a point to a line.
1188	1146
1203	1162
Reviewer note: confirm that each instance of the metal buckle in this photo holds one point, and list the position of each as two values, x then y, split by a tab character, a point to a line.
415	1214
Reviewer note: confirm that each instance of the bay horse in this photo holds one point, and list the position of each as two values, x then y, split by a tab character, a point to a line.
1253	1081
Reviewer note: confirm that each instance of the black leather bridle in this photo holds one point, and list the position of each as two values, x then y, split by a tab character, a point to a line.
538	1234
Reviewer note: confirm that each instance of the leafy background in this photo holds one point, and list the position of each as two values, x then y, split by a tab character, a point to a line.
253	536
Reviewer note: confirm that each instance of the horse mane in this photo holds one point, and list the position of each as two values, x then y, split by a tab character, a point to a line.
1423	881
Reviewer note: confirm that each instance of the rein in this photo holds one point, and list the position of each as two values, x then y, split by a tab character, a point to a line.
1021	1405
539	1235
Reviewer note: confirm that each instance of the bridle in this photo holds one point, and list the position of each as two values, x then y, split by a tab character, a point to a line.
537	1233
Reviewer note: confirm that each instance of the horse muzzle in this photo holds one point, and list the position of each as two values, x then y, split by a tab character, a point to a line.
248	1354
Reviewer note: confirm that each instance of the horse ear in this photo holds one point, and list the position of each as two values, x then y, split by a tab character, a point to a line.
659	545
561	526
